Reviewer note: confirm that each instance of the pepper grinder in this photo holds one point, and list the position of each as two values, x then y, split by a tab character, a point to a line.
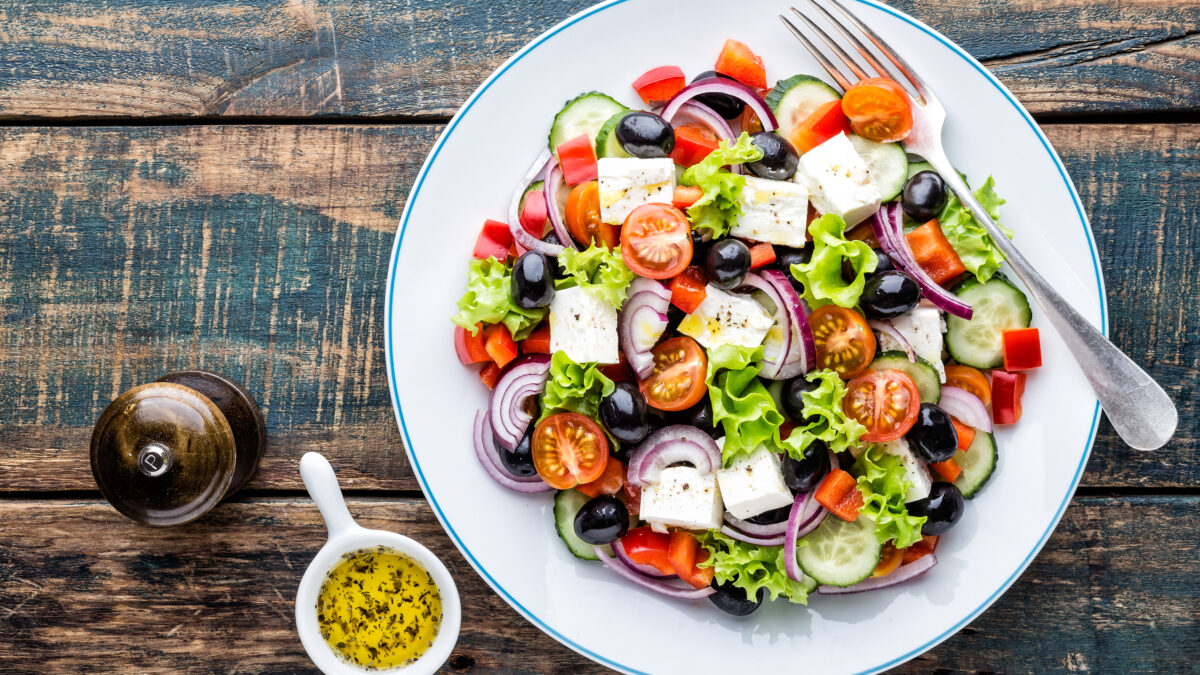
166	452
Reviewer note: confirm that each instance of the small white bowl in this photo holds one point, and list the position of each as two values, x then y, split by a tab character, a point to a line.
346	536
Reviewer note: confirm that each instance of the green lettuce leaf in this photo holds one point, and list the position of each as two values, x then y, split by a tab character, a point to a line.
883	486
742	406
489	300
574	387
718	210
750	567
968	238
822	275
599	269
823	406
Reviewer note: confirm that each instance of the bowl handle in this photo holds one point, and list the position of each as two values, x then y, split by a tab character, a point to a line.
322	486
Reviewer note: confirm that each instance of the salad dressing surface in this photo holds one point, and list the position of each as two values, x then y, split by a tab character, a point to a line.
379	608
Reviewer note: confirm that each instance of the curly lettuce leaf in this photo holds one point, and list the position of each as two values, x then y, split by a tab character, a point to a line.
881	480
968	238
718	210
574	387
824	419
750	567
488	300
742	406
822	275
602	271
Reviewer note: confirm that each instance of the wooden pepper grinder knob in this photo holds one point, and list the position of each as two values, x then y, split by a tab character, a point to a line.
166	452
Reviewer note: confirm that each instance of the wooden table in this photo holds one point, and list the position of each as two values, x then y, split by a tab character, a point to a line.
216	184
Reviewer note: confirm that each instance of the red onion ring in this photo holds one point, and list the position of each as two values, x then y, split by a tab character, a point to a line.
890	330
656	585
792	313
554	179
748	539
889	230
803	519
900	575
706	116
671	445
648	302
485	452
967	407
754	530
526	377
647	570
522	237
717	85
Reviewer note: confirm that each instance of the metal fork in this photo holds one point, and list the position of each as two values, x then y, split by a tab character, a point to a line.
1137	406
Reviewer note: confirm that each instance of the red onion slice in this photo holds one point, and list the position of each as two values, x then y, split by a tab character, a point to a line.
718	85
706	116
889	230
757	541
789	540
522	237
900	575
647	570
890	331
672	445
643	320
526	377
790	313
656	585
754	530
967	407
485	452
554	180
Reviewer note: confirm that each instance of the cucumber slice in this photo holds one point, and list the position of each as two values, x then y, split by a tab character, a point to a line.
887	162
915	168
566	504
997	306
977	462
584	114
926	377
797	97
839	553
607	144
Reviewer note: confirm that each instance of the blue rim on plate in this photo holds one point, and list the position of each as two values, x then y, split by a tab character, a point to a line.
391	366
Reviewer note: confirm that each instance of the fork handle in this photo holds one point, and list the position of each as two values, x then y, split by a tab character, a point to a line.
1137	406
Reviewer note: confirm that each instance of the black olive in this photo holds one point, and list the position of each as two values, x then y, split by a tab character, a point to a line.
602	520
647	135
771	517
793	402
552	238
674	316
786	256
845	461
620	452
933	437
519	460
804	475
727	263
723	104
924	196
733	600
889	294
623	413
699	416
942	508
779	157
884	262
532	281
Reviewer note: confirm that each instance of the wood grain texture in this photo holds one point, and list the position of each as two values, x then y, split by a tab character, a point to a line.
261	252
424	57
82	589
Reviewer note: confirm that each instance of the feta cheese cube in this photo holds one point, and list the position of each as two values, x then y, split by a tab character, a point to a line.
915	471
727	319
626	183
923	328
683	497
774	211
753	484
838	181
584	326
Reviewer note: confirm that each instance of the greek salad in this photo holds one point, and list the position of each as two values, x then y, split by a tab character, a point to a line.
754	348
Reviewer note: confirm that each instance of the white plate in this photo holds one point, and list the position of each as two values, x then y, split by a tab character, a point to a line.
510	539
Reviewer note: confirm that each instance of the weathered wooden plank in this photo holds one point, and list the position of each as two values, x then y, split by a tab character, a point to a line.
261	252
423	57
216	596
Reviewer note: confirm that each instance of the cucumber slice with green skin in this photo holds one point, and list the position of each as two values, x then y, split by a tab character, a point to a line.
887	163
566	504
922	372
839	553
997	306
584	114
794	99
915	168
607	144
977	462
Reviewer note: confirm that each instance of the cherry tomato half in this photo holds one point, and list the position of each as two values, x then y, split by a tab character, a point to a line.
677	381
656	241
879	109
971	380
583	217
569	449
886	402
844	341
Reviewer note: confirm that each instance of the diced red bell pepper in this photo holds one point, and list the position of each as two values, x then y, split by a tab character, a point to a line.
647	547
689	289
489	375
1022	349
470	348
609	483
534	214
761	255
618	372
966	434
685	196
737	61
578	160
659	84
684	553
933	253
500	345
494	241
824	123
1007	389
839	493
948	469
538	341
920	549
692	144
